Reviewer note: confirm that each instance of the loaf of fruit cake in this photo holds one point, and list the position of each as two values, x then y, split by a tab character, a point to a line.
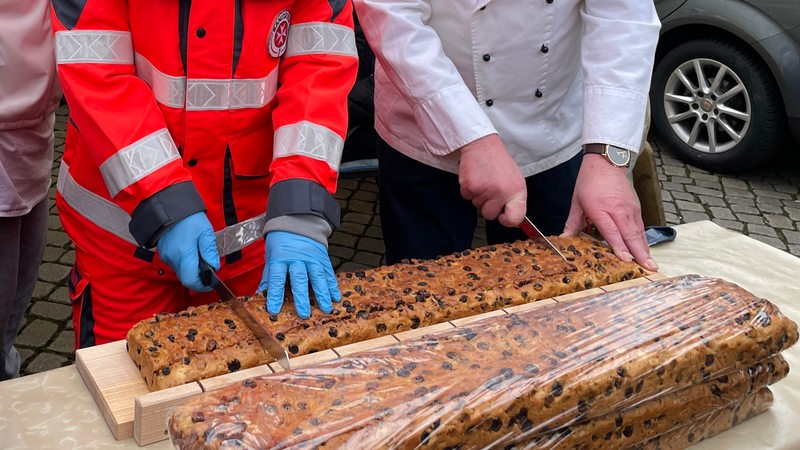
202	342
664	413
502	380
703	428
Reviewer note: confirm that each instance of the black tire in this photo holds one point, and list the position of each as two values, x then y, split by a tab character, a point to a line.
706	127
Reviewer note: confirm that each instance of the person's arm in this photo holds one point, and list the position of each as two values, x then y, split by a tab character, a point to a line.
117	115
447	113
617	53
317	71
411	55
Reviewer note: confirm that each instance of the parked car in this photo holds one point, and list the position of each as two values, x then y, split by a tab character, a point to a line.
726	83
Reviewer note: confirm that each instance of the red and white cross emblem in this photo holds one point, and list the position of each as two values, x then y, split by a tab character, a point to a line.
279	35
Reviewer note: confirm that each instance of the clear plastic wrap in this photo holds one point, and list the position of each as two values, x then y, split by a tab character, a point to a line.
619	369
709	425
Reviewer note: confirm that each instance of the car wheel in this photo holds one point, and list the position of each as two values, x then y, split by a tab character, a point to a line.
716	105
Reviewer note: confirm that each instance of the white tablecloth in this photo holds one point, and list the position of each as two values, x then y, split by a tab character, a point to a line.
54	410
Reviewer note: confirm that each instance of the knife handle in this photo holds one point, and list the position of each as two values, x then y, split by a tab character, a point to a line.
206	272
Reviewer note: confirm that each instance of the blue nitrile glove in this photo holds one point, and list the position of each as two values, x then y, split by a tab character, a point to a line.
303	259
181	246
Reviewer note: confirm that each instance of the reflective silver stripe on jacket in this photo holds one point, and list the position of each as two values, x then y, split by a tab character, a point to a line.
138	160
237	93
239	236
309	139
115	220
207	94
94	46
321	38
168	90
96	209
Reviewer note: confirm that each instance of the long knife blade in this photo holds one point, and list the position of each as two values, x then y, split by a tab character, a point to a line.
267	340
533	233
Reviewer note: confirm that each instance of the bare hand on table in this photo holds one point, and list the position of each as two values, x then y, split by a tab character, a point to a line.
604	195
492	181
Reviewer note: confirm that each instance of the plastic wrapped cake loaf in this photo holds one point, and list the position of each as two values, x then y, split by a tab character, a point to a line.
172	349
660	365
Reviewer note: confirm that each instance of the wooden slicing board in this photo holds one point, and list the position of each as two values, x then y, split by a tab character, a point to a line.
131	410
114	382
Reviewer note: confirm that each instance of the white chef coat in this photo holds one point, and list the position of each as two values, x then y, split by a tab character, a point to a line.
546	75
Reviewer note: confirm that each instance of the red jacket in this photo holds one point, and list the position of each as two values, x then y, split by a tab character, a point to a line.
178	106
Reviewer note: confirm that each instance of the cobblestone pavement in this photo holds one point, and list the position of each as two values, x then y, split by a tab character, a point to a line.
764	204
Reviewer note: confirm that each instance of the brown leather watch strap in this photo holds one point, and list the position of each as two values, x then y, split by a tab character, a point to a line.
594	148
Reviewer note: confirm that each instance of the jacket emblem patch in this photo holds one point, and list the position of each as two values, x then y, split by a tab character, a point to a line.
278	37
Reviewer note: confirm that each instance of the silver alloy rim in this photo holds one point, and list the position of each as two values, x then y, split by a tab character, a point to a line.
707	105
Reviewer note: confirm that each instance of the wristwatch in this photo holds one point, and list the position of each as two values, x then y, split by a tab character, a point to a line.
617	156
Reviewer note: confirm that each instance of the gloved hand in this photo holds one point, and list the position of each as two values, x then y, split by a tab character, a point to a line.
303	259
181	246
